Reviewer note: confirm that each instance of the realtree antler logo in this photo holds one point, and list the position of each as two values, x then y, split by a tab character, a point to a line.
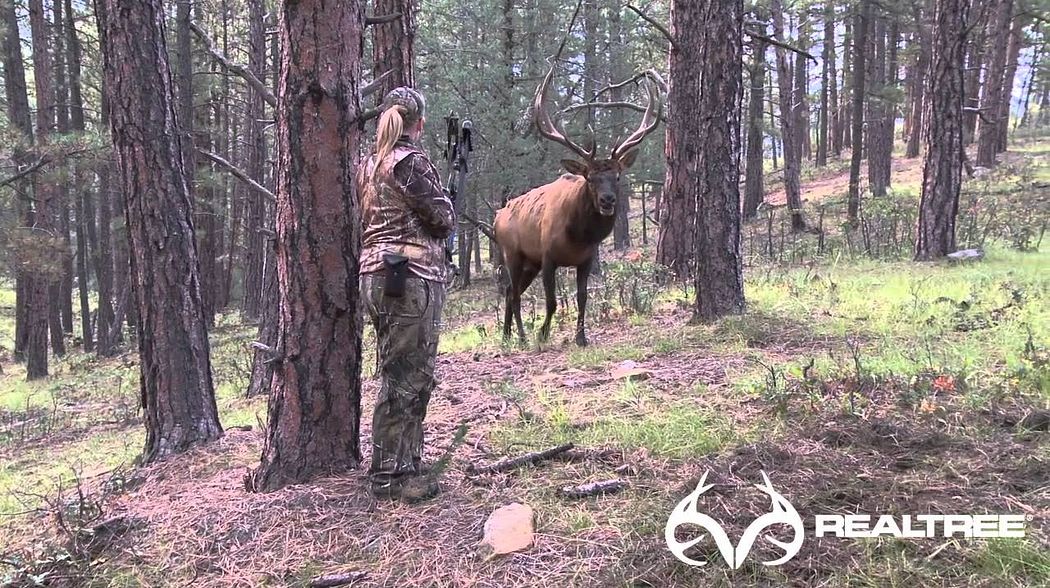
686	513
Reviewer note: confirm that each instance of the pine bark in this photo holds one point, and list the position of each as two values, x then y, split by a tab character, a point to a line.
393	45
801	88
754	189
790	119
719	279
255	139
976	55
315	401
1013	52
860	44
42	289
621	228
992	90
176	383
20	118
826	80
65	283
942	174
677	239
917	81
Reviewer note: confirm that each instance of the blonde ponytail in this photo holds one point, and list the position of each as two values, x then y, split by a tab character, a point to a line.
390	128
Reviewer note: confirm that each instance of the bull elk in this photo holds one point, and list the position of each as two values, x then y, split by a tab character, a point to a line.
561	224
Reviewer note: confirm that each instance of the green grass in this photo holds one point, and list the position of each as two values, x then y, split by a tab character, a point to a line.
680	430
38	472
1015	561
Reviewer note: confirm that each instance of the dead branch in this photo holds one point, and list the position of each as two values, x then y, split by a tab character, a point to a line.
368	115
371	87
659	26
228	65
775	43
513	462
341	579
482	226
44	160
375	20
238	173
593	488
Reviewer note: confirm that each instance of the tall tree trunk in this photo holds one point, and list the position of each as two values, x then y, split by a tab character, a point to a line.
982	17
20	117
846	100
754	190
1013	52
825	80
254	237
677	239
801	87
881	107
621	228
860	44
917	81
104	259
65	284
178	396
262	364
790	123
85	208
42	287
942	175
992	91
393	45
714	29
315	402
835	114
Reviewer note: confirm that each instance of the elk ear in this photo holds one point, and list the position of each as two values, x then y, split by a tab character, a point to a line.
575	167
627	159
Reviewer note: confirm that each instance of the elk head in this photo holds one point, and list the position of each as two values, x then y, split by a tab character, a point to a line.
602	175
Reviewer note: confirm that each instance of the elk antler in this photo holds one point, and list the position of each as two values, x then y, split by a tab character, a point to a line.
654	85
546	124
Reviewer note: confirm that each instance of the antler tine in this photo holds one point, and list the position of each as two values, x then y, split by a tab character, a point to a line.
654	107
547	127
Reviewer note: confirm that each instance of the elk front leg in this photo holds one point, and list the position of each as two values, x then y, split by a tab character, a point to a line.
549	289
583	272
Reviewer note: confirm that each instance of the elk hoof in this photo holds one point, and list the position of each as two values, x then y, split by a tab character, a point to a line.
581	339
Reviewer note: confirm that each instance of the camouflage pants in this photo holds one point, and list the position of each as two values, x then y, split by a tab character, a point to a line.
407	337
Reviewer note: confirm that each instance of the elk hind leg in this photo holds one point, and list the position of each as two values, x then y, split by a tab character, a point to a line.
583	272
528	274
549	289
514	267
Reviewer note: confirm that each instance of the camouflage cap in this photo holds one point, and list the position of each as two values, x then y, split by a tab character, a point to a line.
410	99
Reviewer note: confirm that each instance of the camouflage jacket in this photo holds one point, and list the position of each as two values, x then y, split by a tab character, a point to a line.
405	212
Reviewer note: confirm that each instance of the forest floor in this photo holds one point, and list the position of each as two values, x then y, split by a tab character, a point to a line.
859	386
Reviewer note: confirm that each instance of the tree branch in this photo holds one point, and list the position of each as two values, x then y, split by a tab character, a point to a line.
371	87
234	68
775	43
238	173
659	26
44	160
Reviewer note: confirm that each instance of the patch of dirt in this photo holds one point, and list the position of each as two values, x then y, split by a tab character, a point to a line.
905	171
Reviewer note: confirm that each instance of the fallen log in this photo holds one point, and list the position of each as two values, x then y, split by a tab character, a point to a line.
332	580
593	488
513	462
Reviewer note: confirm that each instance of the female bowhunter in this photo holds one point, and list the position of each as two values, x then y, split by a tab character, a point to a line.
406	217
